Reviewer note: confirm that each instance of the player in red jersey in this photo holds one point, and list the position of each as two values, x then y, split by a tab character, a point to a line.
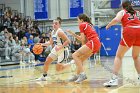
90	45
130	20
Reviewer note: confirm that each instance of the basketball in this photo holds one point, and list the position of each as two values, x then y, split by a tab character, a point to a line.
37	49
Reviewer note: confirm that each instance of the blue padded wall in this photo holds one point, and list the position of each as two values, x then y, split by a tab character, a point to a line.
110	39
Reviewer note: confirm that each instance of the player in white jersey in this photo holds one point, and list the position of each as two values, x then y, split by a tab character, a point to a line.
60	41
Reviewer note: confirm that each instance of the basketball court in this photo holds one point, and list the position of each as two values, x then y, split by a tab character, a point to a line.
18	75
22	78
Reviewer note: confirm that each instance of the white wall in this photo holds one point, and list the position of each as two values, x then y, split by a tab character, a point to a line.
29	8
55	7
64	9
74	28
58	8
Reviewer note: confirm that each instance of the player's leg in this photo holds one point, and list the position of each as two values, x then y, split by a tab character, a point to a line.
136	52
86	52
135	55
117	65
47	63
63	66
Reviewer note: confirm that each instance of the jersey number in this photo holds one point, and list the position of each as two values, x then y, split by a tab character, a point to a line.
133	16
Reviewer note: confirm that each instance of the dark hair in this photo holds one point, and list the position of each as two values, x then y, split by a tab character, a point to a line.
127	6
85	18
59	19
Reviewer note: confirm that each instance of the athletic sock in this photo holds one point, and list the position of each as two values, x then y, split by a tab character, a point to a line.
114	76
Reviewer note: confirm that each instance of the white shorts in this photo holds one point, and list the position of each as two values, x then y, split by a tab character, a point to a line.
60	55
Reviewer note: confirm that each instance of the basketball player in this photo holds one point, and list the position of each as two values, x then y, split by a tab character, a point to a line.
130	20
90	45
60	41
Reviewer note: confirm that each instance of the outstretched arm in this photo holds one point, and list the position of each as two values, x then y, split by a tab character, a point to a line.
75	35
113	22
80	37
116	19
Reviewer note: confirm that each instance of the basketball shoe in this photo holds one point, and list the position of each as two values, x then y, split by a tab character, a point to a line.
81	78
42	78
111	82
73	78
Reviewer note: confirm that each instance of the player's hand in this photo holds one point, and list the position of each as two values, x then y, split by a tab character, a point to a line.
107	27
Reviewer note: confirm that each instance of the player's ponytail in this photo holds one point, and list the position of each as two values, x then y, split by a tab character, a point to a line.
128	7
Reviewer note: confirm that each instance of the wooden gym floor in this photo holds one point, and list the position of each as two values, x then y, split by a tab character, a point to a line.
21	78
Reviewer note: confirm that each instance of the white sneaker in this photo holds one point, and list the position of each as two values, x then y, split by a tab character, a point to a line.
42	78
81	78
72	78
112	82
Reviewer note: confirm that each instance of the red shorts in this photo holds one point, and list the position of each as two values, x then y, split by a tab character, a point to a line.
131	37
94	44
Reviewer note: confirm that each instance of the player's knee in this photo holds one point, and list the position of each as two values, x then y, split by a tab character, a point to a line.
120	56
135	57
47	62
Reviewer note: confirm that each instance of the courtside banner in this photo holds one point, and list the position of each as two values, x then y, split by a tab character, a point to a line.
135	2
41	9
76	7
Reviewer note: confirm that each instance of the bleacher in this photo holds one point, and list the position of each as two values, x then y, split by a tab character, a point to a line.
8	20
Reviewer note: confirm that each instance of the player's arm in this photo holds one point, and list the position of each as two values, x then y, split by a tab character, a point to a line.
116	19
75	35
64	37
80	37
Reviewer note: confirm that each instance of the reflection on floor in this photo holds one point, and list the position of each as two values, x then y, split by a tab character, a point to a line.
22	79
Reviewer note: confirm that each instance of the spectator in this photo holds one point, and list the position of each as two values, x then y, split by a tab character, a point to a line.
36	38
26	54
30	42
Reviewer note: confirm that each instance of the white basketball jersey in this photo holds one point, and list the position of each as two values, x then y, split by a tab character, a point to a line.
56	38
63	53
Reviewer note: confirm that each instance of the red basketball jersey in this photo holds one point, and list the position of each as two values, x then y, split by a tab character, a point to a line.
131	20
88	30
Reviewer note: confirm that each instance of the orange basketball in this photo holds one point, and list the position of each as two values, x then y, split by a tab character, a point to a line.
37	49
